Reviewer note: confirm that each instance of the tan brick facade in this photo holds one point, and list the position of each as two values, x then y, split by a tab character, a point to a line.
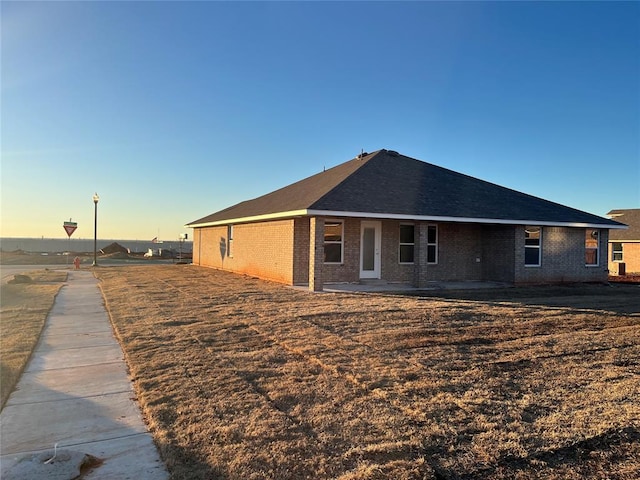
301	251
281	251
316	254
263	250
630	257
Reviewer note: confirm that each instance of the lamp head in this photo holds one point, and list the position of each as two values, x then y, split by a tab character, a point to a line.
96	198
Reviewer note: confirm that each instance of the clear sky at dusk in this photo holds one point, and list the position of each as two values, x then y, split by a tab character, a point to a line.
174	110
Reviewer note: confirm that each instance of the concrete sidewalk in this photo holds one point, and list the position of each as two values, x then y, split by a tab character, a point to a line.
75	392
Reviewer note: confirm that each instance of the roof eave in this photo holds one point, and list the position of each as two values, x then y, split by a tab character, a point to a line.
433	218
394	216
255	218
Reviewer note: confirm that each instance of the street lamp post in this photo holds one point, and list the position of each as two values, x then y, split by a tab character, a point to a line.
95	229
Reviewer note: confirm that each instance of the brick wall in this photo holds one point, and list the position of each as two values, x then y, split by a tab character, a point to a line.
465	252
301	251
196	237
498	253
630	257
459	253
421	266
349	270
279	251
209	246
392	270
263	250
316	253
563	257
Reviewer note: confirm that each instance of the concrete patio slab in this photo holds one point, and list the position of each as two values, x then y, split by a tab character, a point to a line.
381	286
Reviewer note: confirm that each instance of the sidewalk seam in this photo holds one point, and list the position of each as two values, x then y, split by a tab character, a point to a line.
70	445
79	397
111	344
74	366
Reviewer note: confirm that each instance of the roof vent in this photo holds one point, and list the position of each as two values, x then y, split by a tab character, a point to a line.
362	154
393	153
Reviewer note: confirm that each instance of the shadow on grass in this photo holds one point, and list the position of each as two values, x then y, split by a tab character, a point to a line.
183	463
619	299
575	459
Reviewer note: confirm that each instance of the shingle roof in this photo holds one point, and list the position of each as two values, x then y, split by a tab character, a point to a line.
297	196
385	183
629	217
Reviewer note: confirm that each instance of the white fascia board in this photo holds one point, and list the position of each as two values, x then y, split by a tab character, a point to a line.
429	218
395	216
255	218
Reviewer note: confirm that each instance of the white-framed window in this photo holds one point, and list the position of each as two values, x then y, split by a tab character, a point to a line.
333	241
432	244
407	243
616	252
532	246
229	240
591	247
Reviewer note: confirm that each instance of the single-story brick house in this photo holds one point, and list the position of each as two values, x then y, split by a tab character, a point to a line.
624	245
387	216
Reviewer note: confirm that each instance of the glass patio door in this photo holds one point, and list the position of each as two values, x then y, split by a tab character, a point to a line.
370	240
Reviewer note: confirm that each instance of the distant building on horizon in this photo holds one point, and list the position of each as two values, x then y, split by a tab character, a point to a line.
81	245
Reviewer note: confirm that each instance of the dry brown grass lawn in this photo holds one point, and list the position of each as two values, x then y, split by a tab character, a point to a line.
245	379
23	310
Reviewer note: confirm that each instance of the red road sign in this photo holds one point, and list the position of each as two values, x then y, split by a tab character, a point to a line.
70	227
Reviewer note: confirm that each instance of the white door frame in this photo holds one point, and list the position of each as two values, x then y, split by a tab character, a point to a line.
377	226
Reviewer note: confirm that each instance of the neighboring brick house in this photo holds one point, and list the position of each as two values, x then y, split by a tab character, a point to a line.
624	245
390	217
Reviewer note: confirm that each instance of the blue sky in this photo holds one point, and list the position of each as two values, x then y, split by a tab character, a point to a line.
174	110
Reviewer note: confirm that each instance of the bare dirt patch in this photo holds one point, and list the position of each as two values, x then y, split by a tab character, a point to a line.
24	307
241	378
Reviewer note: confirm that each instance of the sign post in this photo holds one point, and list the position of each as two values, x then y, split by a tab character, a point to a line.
69	227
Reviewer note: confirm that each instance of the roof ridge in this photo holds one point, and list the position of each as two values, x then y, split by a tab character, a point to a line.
321	184
363	157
